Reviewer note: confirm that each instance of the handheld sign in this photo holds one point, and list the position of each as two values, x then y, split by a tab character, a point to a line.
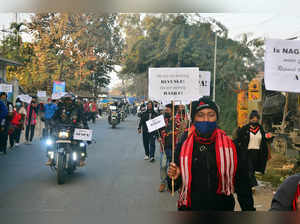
83	134
41	94
25	98
7	88
204	83
173	84
156	123
282	65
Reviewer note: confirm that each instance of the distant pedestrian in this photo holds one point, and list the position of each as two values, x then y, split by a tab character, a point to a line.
31	120
3	122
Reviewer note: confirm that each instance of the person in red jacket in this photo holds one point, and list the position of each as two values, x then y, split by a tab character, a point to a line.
17	123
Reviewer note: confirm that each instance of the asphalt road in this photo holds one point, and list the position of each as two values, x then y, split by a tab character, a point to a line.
116	182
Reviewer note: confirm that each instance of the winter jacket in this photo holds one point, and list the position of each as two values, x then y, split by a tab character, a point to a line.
50	110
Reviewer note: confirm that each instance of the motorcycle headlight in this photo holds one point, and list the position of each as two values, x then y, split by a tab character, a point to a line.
49	142
63	134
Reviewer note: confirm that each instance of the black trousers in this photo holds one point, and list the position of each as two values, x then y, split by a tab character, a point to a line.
3	139
15	136
149	144
253	160
29	128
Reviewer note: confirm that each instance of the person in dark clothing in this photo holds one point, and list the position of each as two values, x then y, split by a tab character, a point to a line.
3	122
287	197
208	167
252	138
31	120
148	138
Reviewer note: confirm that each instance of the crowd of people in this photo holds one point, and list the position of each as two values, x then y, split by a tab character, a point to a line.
14	119
209	167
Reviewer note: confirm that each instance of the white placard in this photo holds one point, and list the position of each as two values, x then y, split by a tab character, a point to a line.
167	84
25	98
204	83
83	134
42	94
57	96
282	65
112	107
7	88
156	123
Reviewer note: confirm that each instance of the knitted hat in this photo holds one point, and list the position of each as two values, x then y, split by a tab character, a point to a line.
203	103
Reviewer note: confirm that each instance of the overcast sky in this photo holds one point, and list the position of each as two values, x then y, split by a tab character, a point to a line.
266	25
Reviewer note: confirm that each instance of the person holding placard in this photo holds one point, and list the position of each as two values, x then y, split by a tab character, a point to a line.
148	138
208	168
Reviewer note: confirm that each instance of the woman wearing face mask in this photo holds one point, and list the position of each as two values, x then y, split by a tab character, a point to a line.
208	167
253	139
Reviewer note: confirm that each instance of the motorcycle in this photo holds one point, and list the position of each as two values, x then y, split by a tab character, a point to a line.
114	117
65	151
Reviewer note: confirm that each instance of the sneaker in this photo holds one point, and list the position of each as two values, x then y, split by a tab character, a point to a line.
152	159
27	143
162	188
146	157
17	144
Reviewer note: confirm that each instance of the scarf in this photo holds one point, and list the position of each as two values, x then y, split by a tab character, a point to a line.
226	157
297	195
254	130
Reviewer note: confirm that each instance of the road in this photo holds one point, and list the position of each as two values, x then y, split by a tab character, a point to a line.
115	182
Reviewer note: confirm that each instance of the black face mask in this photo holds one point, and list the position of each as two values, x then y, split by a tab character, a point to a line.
254	124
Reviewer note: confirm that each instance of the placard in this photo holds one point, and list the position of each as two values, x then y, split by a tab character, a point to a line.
57	96
204	83
83	134
167	84
155	123
7	88
42	94
59	87
282	65
25	98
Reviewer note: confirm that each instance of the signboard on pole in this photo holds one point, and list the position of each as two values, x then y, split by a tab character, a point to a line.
204	83
59	87
282	65
173	84
7	88
155	123
83	134
42	94
25	98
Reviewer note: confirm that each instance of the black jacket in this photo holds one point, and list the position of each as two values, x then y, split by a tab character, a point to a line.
243	138
209	178
144	118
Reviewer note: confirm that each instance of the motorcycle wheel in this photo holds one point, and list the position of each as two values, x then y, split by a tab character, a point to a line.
60	169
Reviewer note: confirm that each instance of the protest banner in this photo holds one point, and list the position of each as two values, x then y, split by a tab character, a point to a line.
155	123
25	98
282	65
204	84
59	87
83	134
42	94
7	88
173	84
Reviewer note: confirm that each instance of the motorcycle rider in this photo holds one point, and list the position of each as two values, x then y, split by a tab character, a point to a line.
69	112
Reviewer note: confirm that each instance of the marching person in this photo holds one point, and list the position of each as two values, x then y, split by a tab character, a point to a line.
3	123
148	138
50	108
166	142
287	197
252	138
32	110
17	122
208	167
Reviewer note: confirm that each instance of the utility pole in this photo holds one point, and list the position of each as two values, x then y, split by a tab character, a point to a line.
215	67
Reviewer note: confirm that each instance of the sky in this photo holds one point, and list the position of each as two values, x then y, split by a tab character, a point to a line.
265	25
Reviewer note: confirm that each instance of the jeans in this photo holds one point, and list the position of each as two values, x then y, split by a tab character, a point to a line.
29	128
164	165
149	144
